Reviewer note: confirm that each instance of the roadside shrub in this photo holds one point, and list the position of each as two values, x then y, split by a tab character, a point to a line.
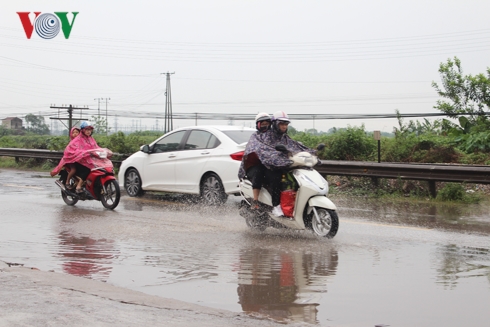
478	158
138	140
57	143
48	165
8	162
125	144
474	142
115	142
30	162
32	141
308	140
353	143
429	148
9	142
451	192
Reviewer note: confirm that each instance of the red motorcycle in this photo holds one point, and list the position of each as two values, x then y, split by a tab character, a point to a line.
100	185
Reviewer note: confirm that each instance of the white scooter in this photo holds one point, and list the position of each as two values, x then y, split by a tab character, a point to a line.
312	209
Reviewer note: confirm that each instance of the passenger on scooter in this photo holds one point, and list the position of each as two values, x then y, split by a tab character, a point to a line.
251	166
74	132
73	170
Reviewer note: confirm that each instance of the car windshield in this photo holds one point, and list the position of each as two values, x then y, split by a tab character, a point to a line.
239	136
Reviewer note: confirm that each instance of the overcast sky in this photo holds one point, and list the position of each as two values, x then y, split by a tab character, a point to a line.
303	57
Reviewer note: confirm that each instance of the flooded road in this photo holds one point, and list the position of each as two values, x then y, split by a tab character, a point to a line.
396	264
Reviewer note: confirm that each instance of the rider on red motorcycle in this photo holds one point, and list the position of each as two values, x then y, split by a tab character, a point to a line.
80	153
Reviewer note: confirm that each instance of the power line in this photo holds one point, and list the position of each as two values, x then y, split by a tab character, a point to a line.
223	116
272	52
69	110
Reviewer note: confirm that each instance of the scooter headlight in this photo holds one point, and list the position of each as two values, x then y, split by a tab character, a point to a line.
101	154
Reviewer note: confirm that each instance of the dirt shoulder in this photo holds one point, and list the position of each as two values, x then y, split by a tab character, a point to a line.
31	297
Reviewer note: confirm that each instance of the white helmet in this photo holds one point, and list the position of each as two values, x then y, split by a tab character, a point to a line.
262	116
279	116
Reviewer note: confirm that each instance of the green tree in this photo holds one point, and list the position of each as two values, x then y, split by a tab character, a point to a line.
4	131
417	127
100	125
465	95
36	124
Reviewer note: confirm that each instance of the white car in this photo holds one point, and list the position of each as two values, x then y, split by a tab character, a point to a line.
201	160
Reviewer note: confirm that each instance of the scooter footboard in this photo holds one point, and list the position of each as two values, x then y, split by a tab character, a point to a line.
322	202
246	191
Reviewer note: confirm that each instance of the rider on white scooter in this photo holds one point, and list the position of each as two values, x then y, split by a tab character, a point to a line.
251	165
263	146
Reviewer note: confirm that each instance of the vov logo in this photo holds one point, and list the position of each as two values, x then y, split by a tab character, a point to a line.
47	25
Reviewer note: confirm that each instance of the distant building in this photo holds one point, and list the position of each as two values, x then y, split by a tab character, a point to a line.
12	123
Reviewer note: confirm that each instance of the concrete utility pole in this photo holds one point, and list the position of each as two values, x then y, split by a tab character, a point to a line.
69	109
168	125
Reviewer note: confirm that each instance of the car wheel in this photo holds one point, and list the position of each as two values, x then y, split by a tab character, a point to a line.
212	190
132	183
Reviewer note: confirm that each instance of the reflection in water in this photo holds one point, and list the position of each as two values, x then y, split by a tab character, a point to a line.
82	255
457	262
86	257
283	285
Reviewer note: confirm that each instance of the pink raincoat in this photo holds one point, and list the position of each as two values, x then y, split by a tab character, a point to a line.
81	150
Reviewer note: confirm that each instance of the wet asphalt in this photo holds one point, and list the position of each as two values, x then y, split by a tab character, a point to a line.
397	264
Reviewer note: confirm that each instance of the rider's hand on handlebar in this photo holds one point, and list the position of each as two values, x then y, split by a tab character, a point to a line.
301	161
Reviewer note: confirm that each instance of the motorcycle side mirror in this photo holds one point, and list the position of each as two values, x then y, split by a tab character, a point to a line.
281	147
145	148
320	147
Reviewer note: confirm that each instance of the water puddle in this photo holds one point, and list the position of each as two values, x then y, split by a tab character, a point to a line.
388	265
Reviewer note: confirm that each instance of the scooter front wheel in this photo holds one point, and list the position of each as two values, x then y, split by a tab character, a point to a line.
112	194
327	223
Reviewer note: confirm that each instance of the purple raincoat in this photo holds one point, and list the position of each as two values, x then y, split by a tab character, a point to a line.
263	145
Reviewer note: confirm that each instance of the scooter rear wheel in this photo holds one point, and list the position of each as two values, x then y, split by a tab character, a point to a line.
328	225
70	200
110	198
253	224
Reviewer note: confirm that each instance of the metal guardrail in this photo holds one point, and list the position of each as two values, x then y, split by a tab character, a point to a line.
428	172
431	173
117	158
